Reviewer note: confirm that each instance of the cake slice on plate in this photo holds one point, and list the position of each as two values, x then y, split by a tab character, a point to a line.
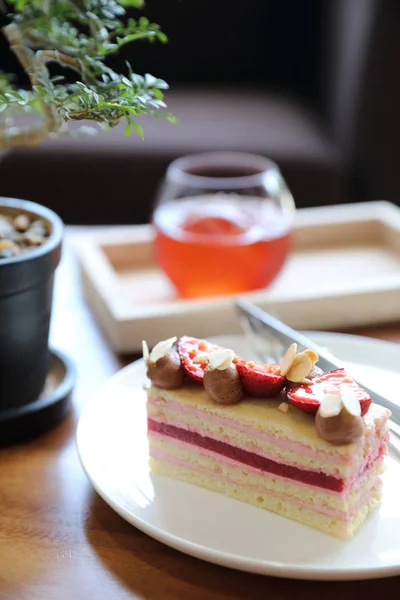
288	438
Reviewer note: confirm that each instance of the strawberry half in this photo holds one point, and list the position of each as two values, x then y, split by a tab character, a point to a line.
307	397
261	381
190	348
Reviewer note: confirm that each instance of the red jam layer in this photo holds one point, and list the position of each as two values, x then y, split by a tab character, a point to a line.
327	482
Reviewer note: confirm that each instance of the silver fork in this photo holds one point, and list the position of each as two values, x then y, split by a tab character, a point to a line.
254	321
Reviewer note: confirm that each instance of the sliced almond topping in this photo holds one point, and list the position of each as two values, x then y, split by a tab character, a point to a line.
284	407
300	368
145	350
162	349
202	357
331	405
221	359
313	355
287	360
350	400
306	381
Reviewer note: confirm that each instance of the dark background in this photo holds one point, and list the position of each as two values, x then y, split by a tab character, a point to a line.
313	85
214	41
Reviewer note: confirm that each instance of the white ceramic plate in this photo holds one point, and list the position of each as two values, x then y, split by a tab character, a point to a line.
114	453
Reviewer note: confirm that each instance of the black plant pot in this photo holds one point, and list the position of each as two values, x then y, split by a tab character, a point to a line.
26	290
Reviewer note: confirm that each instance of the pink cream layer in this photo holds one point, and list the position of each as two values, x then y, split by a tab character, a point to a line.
335	514
319	479
231	424
350	485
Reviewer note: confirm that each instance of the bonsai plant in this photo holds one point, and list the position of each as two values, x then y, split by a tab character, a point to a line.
77	35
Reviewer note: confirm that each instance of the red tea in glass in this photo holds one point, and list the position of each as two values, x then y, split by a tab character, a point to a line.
222	224
213	246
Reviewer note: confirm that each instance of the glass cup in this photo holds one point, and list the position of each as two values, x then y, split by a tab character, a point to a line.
223	223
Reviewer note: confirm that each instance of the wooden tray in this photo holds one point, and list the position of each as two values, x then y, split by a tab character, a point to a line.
344	271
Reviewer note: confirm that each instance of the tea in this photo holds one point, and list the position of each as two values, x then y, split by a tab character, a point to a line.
216	245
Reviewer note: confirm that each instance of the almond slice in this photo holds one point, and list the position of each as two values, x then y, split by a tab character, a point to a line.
202	357
300	368
313	355
221	359
287	360
331	405
145	350
350	400
161	349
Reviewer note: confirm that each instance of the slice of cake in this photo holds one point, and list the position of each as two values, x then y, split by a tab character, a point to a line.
288	438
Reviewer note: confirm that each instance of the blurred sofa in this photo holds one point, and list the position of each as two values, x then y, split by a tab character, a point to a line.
310	84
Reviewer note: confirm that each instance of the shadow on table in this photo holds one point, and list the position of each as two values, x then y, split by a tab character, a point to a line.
148	568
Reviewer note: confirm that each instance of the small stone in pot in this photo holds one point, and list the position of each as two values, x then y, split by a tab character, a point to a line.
38	228
32	239
22	235
6	229
8	249
22	223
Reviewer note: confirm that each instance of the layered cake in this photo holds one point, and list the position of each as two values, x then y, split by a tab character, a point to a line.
285	437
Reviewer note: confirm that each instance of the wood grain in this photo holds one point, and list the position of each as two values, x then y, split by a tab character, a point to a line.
60	541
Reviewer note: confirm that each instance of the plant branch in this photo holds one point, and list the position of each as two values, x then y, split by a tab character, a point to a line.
134	37
27	58
47	56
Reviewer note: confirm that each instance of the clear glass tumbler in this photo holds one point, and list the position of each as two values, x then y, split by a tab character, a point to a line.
223	223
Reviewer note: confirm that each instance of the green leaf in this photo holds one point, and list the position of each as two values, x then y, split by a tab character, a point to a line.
162	37
14	96
158	94
171	118
57	79
138	128
128	130
132	3
40	90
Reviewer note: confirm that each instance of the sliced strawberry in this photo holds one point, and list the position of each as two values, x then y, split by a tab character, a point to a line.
189	349
261	381
307	397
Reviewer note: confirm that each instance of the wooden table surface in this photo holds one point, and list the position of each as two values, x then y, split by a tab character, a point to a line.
60	541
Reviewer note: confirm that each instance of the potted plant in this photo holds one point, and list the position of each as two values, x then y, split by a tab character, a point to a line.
77	35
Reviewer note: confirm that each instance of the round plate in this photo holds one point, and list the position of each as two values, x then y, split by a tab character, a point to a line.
113	449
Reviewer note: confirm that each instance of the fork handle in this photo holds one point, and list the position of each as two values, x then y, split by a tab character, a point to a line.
286	334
